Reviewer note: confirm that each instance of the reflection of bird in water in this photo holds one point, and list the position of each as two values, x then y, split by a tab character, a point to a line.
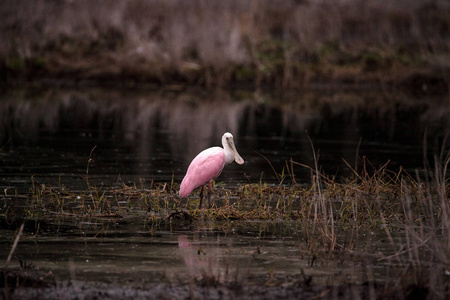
208	165
203	266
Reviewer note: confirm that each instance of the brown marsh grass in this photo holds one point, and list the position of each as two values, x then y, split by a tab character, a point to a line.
283	43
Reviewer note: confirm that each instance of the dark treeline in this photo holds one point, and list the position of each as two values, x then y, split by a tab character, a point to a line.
223	43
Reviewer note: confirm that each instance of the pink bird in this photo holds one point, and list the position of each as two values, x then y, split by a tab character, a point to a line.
208	165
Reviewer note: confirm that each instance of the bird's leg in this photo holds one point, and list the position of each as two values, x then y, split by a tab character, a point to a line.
209	194
201	197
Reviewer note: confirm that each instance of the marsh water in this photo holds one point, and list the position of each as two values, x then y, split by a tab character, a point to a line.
142	136
254	253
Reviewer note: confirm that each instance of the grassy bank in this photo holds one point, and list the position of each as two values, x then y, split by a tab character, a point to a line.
253	43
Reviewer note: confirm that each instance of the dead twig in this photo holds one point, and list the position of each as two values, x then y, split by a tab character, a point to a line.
13	249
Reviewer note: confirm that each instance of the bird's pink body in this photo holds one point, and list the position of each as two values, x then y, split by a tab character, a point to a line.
206	166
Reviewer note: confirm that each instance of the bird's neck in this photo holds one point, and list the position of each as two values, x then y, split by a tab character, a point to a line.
229	154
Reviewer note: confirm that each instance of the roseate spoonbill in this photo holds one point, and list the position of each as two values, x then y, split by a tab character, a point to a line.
208	165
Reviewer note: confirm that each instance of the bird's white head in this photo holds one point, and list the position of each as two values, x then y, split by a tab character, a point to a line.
228	144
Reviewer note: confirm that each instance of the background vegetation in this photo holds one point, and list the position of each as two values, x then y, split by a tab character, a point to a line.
218	43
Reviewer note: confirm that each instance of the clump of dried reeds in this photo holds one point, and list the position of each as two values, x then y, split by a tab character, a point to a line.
372	197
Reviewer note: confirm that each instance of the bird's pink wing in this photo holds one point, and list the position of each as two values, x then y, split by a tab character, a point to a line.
204	167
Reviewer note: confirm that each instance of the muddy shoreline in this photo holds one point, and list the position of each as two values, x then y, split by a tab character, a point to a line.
23	284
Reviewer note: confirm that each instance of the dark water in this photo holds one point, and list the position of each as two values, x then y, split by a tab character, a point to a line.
121	252
140	136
